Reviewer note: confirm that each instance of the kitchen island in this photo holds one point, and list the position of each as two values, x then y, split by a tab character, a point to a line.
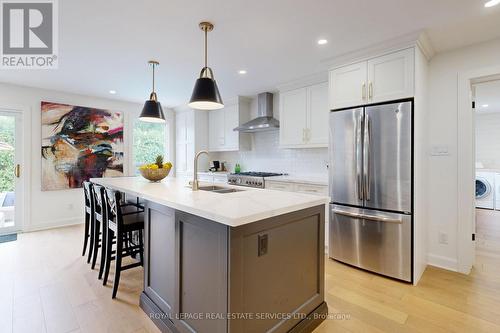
246	260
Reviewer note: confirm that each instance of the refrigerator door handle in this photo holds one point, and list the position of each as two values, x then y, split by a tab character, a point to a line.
379	218
366	157
359	156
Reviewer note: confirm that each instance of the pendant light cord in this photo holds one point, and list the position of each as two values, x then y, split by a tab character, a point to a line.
206	42
153	78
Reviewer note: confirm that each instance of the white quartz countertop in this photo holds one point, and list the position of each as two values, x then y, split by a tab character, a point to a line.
232	209
313	180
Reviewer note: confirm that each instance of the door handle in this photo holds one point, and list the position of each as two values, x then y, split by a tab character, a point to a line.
17	170
363	91
370	90
379	218
366	157
358	158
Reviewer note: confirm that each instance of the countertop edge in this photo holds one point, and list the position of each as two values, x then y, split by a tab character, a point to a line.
231	222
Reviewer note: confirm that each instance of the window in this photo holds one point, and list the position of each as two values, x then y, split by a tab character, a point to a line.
150	140
7	128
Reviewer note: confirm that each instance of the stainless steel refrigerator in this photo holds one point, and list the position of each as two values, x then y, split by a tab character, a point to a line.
371	188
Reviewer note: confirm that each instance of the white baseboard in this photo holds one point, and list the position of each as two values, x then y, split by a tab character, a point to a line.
442	262
37	226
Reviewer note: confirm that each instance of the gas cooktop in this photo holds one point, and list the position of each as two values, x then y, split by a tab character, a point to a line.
251	179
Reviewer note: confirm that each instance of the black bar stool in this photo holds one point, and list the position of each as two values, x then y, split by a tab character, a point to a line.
89	214
122	223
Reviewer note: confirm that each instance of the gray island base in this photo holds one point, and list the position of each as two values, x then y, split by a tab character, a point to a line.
207	277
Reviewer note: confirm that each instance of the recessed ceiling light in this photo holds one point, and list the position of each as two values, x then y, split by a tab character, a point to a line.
324	41
491	3
484	105
112	92
242	71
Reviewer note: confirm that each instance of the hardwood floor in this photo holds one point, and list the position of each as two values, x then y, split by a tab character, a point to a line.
47	286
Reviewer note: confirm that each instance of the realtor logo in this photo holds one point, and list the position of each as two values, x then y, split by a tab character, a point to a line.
29	34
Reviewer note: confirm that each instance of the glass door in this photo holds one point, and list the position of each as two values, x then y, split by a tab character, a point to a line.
10	171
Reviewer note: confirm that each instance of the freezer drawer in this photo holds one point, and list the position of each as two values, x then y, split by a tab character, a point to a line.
373	240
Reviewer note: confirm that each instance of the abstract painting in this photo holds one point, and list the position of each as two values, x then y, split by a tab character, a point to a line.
79	143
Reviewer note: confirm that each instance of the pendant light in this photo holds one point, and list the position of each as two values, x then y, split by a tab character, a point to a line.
206	95
152	111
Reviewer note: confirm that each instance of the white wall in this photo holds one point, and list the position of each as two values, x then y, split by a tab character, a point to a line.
265	154
488	140
57	208
443	130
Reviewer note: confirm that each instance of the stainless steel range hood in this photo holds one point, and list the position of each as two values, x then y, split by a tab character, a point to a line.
265	120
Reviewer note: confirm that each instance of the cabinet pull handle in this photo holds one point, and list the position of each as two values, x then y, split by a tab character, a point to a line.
363	91
370	90
17	171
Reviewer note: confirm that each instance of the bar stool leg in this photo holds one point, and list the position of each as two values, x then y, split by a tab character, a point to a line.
109	248
118	263
91	240
104	242
141	250
97	228
86	233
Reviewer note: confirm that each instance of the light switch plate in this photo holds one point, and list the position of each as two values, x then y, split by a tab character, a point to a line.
440	150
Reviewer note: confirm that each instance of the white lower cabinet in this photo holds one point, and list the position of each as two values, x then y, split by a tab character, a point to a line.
297	186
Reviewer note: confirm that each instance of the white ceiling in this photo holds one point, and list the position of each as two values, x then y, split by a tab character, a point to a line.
488	97
105	44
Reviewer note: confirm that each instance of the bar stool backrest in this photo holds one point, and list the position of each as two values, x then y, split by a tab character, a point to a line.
113	199
99	202
89	201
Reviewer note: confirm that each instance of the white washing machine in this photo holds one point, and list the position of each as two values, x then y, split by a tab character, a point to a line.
485	189
497	191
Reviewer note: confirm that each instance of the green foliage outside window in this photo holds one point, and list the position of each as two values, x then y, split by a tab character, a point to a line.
7	128
150	140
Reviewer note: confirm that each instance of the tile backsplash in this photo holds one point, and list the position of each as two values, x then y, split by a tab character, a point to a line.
265	155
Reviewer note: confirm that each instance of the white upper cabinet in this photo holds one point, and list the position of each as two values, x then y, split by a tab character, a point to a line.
304	117
216	130
391	76
191	136
348	85
232	119
293	116
221	136
379	79
318	118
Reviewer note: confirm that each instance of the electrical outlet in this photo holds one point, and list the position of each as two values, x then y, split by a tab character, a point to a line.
443	238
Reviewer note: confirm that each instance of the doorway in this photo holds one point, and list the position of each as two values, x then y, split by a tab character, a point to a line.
11	195
486	95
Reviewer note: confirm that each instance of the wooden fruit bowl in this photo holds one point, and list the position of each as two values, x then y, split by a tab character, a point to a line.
155	175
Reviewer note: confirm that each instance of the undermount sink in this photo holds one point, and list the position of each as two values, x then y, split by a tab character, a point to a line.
219	189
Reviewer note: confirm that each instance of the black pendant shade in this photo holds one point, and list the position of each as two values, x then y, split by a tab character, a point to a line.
206	95
152	111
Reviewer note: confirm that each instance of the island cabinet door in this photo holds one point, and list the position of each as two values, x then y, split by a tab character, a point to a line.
276	270
202	274
160	257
